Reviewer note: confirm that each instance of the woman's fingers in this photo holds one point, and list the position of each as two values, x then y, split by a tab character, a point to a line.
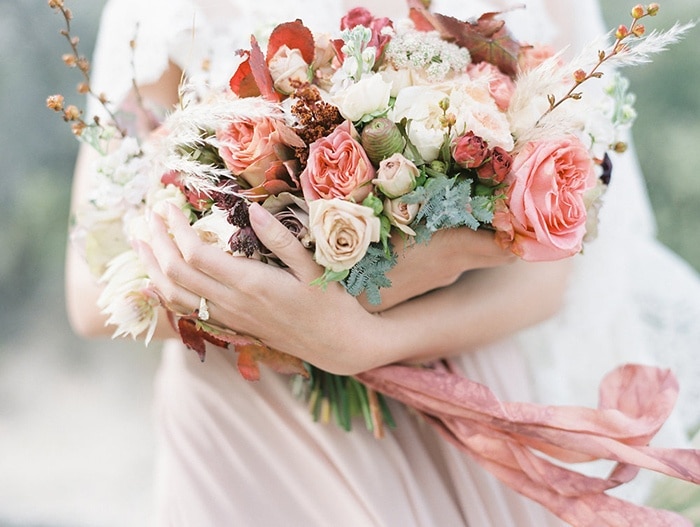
179	284
277	238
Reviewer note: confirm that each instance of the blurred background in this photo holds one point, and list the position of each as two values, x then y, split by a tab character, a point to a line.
75	440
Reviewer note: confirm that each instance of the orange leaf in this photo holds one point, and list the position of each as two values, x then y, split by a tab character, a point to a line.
294	35
247	365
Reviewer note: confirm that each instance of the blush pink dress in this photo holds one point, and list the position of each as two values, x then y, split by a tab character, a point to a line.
235	453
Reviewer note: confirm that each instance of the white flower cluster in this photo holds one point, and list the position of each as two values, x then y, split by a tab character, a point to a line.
426	52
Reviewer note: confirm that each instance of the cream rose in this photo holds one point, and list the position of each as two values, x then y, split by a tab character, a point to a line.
287	67
215	229
368	96
396	176
342	231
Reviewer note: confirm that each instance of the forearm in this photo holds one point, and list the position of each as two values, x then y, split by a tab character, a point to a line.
482	307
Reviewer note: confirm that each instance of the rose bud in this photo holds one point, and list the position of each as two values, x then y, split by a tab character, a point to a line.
469	150
498	167
401	214
396	176
381	138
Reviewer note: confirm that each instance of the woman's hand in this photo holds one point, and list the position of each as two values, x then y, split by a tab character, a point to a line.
425	267
324	326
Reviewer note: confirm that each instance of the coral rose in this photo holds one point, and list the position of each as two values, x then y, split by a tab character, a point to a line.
338	167
342	232
249	147
544	214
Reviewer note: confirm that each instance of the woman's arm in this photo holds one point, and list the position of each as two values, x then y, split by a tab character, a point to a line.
329	328
81	287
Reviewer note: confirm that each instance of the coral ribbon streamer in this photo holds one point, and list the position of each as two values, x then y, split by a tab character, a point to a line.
503	437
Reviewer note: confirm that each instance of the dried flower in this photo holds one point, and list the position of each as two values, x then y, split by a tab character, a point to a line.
55	102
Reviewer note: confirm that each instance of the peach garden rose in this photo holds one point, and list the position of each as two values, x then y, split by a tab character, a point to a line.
250	147
543	216
338	167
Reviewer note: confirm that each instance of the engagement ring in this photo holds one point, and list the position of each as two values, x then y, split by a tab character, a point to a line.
203	313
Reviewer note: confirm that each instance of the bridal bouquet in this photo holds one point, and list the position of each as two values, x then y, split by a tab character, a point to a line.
387	128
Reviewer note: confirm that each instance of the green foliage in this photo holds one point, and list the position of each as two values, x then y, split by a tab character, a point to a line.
369	274
448	202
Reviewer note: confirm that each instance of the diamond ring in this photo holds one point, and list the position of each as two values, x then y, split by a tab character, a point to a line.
203	312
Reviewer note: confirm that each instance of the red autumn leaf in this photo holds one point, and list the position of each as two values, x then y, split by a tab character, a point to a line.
261	73
195	338
422	19
242	82
294	35
487	40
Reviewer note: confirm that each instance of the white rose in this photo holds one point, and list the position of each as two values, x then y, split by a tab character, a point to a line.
342	231
287	66
215	229
368	96
401	214
396	176
421	106
402	78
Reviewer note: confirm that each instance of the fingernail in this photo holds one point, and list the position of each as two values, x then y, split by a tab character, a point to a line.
258	214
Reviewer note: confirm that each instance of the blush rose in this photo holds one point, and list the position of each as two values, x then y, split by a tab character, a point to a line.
337	167
544	213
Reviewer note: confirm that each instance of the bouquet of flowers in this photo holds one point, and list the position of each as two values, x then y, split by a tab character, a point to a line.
389	128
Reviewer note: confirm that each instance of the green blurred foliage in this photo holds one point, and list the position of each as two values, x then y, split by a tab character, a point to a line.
667	130
38	153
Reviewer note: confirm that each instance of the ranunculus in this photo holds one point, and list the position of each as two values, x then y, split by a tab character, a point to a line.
337	167
249	147
368	96
396	176
342	231
469	150
544	213
501	86
288	67
401	214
